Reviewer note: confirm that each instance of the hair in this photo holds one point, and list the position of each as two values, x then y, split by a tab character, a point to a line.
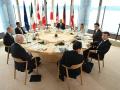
82	24
17	23
8	28
18	38
77	45
97	24
106	33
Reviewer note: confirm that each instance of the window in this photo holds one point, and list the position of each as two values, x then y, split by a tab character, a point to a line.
112	15
93	13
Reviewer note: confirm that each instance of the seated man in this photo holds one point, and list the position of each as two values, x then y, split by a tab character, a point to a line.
19	29
8	39
70	58
18	51
100	48
60	25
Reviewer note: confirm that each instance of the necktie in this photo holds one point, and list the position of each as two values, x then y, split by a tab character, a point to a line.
100	43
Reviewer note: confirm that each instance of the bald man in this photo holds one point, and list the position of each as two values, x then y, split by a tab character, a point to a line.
18	51
8	39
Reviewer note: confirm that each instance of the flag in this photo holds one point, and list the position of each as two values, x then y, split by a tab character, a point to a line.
64	14
78	19
57	15
26	18
43	15
38	14
72	14
33	24
51	13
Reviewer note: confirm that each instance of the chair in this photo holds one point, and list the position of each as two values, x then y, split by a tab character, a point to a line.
21	61
72	67
98	56
18	60
8	52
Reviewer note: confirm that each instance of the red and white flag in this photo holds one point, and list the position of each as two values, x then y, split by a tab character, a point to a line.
51	13
38	14
43	15
72	14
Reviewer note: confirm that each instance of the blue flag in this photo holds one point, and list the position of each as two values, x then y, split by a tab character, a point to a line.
26	18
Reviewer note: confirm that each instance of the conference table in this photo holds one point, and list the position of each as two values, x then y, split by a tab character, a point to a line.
50	45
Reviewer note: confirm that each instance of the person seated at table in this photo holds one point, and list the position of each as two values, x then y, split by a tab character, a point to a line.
19	29
61	25
18	51
100	48
70	58
82	30
97	33
8	39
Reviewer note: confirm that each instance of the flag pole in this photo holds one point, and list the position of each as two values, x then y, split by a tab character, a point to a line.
18	8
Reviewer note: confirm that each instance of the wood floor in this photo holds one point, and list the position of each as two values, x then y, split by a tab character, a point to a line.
108	79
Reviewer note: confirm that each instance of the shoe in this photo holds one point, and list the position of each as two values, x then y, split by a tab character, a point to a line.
30	71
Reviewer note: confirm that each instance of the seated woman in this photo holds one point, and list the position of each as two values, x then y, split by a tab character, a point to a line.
82	30
18	51
70	58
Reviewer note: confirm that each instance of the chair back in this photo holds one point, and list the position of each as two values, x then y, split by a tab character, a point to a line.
74	66
18	60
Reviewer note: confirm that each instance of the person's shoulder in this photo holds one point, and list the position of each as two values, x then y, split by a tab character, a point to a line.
108	41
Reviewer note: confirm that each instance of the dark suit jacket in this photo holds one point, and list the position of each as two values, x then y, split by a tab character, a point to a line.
18	31
101	47
97	36
8	40
18	51
61	26
70	58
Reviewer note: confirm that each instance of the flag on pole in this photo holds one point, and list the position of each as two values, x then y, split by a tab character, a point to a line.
78	19
26	18
72	14
51	13
43	15
57	15
38	14
33	24
64	14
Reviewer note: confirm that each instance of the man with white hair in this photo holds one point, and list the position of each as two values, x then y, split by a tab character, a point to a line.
18	51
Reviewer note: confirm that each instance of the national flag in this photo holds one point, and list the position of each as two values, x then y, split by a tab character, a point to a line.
57	15
78	19
43	15
33	24
72	14
38	14
64	14
51	13
26	18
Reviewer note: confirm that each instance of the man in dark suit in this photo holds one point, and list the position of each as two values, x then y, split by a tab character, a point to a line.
100	48
61	25
97	33
18	51
8	39
19	29
70	58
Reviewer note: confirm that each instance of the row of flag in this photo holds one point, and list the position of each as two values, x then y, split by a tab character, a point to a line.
33	22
